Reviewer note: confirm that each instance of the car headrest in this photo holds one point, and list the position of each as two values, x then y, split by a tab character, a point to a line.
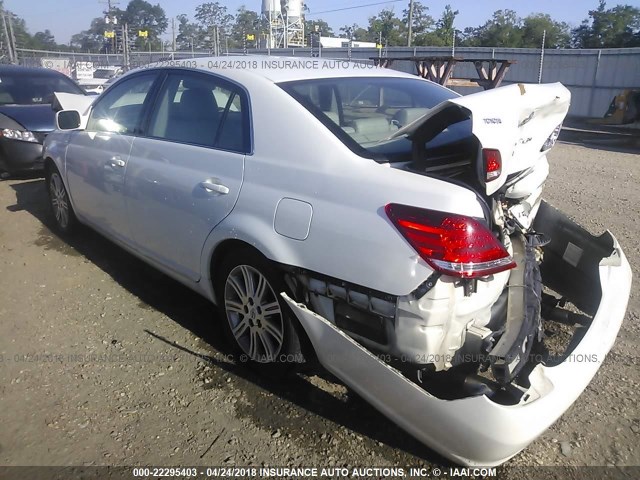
375	124
198	103
409	115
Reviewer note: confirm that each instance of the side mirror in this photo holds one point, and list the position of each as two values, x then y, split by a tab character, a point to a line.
68	119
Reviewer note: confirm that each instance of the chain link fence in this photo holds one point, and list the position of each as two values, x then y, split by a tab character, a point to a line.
593	76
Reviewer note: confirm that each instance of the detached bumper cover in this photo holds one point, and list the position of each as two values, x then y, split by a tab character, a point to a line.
476	431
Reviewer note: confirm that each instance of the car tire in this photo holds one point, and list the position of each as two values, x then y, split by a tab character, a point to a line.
256	320
64	217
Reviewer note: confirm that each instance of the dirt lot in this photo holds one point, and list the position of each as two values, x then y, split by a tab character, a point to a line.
104	361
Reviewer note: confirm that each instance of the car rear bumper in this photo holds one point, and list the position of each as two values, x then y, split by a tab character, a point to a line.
476	430
18	156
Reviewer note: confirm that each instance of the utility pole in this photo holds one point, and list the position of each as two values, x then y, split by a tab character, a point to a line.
13	38
544	38
173	33
110	5
410	23
6	36
112	19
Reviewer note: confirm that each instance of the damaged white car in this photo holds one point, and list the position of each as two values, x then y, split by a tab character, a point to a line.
372	218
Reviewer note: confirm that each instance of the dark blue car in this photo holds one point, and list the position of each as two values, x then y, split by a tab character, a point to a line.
26	116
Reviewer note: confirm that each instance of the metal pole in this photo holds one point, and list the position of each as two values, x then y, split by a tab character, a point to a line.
593	84
6	36
270	34
173	33
410	23
453	44
125	46
13	39
544	37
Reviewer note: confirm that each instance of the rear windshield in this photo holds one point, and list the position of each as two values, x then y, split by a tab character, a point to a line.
104	73
33	89
366	112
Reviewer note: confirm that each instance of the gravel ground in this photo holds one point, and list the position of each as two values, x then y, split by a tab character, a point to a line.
104	361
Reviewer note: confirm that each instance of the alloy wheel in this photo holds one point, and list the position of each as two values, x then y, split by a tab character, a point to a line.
59	200
254	314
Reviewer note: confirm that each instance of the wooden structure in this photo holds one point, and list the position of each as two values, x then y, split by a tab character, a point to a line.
491	71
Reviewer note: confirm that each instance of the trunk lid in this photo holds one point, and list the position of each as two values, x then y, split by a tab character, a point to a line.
516	120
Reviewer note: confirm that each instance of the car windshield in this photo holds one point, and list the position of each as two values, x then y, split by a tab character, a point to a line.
33	88
104	73
364	112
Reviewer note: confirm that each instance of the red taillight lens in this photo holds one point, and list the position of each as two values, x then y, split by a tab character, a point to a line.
452	244
492	163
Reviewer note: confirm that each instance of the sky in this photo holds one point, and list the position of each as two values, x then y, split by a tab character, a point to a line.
67	17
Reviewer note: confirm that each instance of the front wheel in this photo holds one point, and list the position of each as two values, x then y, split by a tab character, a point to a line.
63	214
257	321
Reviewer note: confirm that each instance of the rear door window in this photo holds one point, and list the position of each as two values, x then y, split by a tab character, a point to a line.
202	110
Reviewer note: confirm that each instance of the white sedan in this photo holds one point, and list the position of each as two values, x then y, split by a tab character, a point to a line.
370	218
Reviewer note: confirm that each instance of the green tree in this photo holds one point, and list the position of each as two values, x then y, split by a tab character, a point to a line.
393	30
246	21
422	23
143	16
442	36
445	27
533	27
41	40
356	31
91	39
213	18
20	32
323	27
608	28
188	33
502	30
44	41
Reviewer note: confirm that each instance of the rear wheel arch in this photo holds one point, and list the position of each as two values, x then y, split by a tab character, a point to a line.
232	247
223	249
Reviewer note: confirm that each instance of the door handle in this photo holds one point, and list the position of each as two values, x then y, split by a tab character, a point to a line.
210	187
117	162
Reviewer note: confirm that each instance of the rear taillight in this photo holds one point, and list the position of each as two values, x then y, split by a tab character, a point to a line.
551	141
492	163
452	244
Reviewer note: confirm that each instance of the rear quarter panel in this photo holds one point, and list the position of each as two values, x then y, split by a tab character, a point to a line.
350	237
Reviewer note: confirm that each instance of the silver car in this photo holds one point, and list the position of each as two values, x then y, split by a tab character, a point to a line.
368	217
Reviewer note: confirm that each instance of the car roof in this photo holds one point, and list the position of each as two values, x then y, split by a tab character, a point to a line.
20	70
280	69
